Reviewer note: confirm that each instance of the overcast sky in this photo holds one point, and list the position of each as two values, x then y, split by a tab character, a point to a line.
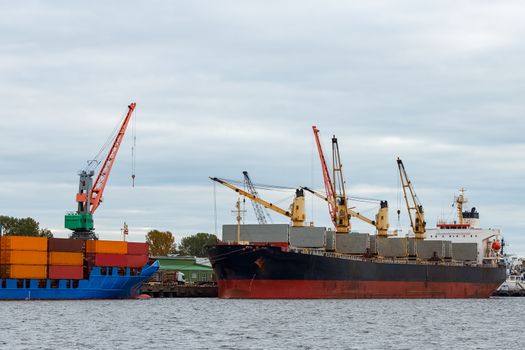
227	86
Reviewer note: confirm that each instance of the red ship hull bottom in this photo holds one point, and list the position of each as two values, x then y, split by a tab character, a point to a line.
327	289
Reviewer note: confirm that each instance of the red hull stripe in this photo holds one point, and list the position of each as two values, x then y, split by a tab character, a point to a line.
315	289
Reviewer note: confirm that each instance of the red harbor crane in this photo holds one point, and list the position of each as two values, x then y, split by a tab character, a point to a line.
89	195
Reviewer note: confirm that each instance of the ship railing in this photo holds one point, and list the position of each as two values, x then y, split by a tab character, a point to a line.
384	260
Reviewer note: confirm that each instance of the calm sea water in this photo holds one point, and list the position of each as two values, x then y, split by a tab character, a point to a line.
263	324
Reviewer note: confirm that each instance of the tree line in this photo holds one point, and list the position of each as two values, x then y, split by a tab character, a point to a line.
162	243
12	226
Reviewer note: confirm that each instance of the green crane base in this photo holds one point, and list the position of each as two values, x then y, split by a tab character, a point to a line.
79	222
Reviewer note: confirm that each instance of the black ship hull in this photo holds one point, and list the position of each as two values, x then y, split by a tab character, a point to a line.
268	272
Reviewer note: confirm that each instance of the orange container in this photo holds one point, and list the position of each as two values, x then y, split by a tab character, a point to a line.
23	271
106	247
22	257
65	258
24	243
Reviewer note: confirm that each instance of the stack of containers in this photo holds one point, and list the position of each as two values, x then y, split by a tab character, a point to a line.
23	257
116	254
138	254
106	253
65	258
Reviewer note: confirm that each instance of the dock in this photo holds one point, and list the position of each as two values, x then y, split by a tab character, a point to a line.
179	291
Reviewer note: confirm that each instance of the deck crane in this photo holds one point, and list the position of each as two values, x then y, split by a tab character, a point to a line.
381	218
335	191
89	195
260	211
414	207
296	212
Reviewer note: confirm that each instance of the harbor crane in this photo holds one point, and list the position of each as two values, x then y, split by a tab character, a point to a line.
335	191
90	194
336	194
296	212
260	211
414	207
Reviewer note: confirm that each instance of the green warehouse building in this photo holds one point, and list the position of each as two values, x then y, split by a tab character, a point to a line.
195	270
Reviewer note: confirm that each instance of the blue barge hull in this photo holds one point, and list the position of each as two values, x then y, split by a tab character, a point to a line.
110	285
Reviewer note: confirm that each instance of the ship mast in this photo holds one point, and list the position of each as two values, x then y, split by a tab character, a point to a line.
460	200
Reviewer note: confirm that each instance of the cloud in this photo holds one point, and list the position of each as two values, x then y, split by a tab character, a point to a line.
222	88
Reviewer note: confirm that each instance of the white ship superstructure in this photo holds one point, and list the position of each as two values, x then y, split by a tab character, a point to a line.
466	230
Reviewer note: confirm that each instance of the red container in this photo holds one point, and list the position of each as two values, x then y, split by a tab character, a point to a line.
111	260
65	272
65	245
135	248
136	260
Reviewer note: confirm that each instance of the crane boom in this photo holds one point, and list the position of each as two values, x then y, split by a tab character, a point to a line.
89	195
260	211
381	221
326	177
343	219
414	207
102	178
296	213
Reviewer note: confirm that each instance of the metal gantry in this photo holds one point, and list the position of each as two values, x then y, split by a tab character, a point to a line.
260	212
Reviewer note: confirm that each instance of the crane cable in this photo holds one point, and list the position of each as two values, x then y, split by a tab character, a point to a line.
95	161
398	186
133	148
261	186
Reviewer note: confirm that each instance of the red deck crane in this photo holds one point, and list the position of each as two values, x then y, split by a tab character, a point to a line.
89	196
337	205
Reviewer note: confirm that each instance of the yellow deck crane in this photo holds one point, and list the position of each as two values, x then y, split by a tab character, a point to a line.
381	220
296	212
414	207
335	190
336	194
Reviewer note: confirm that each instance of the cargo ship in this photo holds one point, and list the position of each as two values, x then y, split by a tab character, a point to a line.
280	269
269	261
302	261
56	268
81	267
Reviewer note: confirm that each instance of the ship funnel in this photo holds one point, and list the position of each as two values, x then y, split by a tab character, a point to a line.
471	217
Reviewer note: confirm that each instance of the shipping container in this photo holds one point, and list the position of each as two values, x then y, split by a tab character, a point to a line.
112	260
448	249
65	258
23	271
135	248
330	241
106	247
373	244
66	272
136	260
256	233
426	249
65	245
465	251
23	243
412	246
22	257
352	243
307	237
392	247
